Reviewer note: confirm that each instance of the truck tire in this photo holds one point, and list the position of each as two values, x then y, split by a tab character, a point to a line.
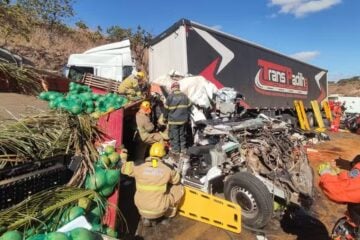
327	122
311	119
288	118
254	198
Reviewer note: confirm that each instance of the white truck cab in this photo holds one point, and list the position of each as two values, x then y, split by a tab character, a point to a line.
111	61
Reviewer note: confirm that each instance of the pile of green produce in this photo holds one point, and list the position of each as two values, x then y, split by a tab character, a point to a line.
40	216
80	99
75	234
105	179
49	210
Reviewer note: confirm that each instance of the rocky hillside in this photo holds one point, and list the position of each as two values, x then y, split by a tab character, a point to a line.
50	50
347	87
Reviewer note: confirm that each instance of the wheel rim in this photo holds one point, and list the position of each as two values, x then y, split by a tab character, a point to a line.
246	200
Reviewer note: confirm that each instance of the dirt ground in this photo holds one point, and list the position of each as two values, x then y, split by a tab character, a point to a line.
13	105
315	224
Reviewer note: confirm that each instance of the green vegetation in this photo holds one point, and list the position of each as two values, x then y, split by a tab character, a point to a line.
14	22
50	12
30	27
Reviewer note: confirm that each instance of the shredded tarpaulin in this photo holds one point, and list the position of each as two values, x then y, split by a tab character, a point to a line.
199	90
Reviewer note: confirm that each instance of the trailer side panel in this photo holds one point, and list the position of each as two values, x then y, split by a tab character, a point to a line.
267	79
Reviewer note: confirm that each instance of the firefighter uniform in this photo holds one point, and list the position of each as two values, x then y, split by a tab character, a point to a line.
343	187
145	128
157	186
129	86
177	113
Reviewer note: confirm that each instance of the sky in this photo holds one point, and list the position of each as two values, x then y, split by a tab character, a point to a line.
324	33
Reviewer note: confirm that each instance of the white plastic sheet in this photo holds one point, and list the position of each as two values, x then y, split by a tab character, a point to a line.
199	90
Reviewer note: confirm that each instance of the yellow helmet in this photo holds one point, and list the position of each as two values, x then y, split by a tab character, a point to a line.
157	150
145	105
140	75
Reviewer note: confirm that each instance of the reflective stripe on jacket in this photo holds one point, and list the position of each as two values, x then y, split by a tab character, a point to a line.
151	196
144	125
128	85
344	187
177	107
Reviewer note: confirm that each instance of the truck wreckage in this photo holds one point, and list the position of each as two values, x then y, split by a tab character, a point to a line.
250	160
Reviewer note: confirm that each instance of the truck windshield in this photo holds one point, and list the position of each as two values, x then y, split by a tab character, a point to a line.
76	73
127	71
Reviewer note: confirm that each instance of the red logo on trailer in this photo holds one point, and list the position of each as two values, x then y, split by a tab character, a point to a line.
278	80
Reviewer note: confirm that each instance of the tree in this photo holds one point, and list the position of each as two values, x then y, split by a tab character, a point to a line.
116	33
139	41
51	12
4	2
99	29
82	25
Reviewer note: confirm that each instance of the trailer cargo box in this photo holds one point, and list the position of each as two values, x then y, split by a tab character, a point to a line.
267	79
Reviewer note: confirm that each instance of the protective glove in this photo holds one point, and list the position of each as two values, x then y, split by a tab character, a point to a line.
131	92
326	168
123	155
161	120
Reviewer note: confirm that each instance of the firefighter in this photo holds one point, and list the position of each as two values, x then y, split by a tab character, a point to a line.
145	127
130	85
176	114
342	187
158	188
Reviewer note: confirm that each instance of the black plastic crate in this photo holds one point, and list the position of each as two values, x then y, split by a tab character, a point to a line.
20	182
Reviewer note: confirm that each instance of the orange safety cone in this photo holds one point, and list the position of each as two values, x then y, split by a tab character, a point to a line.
337	111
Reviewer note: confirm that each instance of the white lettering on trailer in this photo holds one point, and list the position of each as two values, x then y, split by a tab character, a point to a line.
276	76
277	89
298	80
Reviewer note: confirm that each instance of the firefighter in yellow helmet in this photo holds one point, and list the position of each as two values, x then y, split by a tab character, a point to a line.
130	86
145	127
158	188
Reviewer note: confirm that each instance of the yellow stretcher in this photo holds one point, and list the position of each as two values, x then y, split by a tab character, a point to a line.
327	110
318	117
300	110
209	209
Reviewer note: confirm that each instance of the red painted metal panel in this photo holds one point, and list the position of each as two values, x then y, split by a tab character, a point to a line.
112	125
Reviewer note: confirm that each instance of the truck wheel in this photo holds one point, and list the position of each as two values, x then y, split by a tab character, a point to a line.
288	118
311	119
327	122
253	197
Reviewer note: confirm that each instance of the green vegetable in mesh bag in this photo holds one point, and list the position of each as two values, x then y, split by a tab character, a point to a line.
11	235
76	212
37	237
52	104
111	232
81	234
72	213
97	212
90	110
96	181
112	177
75	108
89	103
52	95
56	236
44	95
106	191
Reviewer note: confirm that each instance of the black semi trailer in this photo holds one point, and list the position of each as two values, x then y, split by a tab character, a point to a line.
268	80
